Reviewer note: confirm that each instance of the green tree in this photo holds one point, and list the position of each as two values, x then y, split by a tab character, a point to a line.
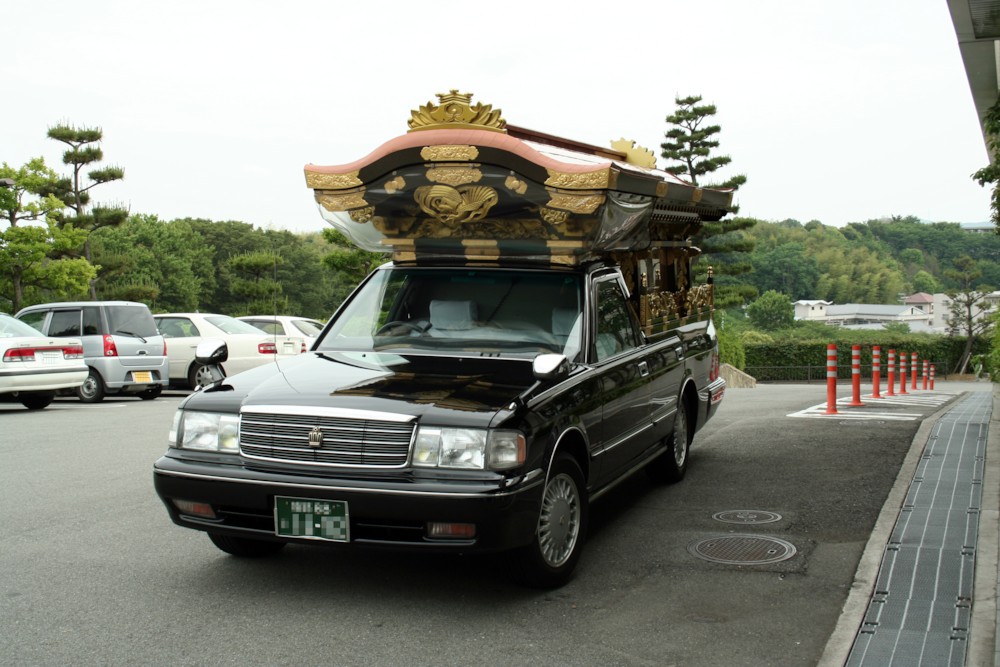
970	312
786	268
348	263
83	150
25	259
254	281
29	199
990	174
689	147
772	310
925	282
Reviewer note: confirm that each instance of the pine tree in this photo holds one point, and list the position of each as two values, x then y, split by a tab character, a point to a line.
725	248
84	149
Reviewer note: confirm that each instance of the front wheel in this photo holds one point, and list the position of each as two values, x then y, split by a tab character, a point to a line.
151	393
245	548
549	560
92	389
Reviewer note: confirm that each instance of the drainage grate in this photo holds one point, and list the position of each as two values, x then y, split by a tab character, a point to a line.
746	516
742	549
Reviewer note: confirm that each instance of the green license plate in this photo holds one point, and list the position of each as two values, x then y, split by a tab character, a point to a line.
311	519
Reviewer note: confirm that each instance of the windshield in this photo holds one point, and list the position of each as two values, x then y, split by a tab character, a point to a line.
11	327
460	310
308	327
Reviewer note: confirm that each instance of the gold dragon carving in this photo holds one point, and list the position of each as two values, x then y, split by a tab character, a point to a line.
453	206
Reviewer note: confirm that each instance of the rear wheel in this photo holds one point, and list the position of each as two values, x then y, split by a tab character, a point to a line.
92	389
199	375
36	401
245	548
549	560
672	464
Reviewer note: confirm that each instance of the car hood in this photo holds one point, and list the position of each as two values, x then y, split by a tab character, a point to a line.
461	391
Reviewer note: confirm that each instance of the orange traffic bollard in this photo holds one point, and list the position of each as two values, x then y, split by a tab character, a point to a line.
856	377
902	373
831	379
876	370
891	380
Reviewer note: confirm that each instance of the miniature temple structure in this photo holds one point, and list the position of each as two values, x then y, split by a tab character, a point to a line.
463	186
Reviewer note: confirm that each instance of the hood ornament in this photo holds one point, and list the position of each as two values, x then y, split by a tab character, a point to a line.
316	437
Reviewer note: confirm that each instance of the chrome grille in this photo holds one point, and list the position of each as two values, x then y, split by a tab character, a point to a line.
348	437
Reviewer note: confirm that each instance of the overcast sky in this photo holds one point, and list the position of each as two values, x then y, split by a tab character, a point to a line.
836	111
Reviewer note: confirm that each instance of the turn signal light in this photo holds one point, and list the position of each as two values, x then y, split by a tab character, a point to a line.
110	349
463	531
194	509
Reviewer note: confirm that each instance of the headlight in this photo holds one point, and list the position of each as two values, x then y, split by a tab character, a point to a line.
468	448
206	431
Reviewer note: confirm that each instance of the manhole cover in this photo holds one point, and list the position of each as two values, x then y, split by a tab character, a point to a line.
746	516
742	549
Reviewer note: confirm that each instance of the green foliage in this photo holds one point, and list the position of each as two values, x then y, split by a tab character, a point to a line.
896	328
691	140
772	311
731	350
30	271
348	263
990	174
28	200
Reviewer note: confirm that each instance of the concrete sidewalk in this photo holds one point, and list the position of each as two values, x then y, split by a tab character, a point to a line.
926	586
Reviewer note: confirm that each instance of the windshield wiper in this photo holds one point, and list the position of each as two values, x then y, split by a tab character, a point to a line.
130	333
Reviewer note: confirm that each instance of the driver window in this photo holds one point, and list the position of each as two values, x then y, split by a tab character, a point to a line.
616	330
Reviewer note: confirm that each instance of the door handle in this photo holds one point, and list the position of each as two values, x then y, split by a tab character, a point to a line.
643	368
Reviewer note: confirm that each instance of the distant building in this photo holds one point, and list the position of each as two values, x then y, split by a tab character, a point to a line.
923	312
811	309
978	227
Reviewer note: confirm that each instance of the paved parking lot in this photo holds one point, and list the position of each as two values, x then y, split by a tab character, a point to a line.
93	572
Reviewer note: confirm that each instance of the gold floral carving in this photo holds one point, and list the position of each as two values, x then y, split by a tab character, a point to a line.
640	156
454	176
699	297
515	184
454	206
587	181
455	110
362	215
319	181
449	153
394	185
553	216
576	203
342	202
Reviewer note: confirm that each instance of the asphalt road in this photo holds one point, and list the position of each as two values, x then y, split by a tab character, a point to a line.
92	572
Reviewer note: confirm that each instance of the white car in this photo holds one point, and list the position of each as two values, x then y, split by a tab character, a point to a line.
33	367
249	347
304	328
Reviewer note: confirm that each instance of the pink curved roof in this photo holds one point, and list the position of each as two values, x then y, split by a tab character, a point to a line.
459	137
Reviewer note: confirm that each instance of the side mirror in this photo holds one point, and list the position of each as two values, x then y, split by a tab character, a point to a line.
549	367
211	351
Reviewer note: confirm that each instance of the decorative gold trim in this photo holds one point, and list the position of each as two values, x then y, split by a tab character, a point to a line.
661	189
640	156
341	202
590	180
362	215
697	195
515	184
456	111
553	216
449	153
576	203
319	181
454	206
454	176
394	185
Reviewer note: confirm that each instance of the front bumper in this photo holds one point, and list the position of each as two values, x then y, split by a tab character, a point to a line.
382	513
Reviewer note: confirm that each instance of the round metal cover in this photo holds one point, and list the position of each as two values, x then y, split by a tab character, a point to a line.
742	549
746	516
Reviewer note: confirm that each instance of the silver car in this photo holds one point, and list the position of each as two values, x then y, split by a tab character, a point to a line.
121	346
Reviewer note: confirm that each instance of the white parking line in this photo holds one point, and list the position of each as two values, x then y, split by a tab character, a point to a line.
871	405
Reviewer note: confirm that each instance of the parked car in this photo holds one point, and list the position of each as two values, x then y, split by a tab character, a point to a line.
249	347
121	346
34	366
306	329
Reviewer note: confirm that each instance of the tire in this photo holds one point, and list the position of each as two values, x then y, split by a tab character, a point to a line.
670	467
245	548
549	561
199	375
92	389
151	393
36	401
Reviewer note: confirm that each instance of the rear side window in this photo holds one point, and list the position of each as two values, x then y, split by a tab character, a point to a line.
131	321
65	323
35	319
91	321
